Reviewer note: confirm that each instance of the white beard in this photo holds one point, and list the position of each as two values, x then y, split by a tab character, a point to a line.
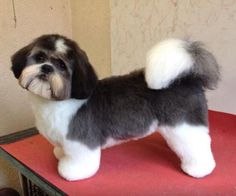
41	88
52	87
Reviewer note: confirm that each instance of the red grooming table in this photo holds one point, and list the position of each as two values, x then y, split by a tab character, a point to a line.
143	167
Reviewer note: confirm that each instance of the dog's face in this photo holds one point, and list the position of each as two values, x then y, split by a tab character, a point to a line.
54	67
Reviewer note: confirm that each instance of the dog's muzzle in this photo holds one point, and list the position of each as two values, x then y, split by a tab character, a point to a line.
44	81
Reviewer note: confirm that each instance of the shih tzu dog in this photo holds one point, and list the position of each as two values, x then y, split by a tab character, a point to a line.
80	115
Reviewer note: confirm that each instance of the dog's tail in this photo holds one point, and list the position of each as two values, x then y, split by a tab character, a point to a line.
173	59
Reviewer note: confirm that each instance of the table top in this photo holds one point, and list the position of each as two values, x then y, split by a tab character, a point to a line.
143	167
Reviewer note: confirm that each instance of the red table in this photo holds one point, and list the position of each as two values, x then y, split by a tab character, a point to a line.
143	167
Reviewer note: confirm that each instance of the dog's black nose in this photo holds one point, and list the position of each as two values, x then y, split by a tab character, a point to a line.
46	69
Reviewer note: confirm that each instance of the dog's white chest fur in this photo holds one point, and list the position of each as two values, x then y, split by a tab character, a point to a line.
53	117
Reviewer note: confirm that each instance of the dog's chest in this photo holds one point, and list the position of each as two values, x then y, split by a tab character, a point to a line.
53	117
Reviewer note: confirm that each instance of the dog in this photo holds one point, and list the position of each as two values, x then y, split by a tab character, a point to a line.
80	115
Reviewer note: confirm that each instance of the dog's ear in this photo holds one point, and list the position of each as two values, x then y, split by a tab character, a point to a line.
19	60
84	78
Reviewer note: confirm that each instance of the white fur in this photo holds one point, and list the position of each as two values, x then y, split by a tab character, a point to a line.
113	142
53	117
79	161
28	73
152	128
193	146
166	61
76	160
60	46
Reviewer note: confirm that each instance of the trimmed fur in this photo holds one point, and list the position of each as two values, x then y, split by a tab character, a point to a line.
123	107
173	59
168	94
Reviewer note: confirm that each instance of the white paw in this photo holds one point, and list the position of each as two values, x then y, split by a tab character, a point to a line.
58	152
199	170
72	169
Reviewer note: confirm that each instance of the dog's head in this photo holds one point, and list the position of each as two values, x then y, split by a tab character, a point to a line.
54	67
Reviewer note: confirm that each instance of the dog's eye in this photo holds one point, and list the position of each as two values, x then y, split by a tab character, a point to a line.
60	63
40	57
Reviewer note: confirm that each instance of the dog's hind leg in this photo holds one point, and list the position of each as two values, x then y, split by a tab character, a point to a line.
192	144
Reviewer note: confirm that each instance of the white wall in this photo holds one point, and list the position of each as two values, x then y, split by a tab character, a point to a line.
136	25
91	29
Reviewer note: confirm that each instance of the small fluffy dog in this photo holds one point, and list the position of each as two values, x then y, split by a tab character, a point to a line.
80	115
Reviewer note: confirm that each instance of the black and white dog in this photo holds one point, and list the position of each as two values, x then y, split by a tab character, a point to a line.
80	114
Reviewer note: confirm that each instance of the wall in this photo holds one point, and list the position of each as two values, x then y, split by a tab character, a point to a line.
32	18
91	29
136	25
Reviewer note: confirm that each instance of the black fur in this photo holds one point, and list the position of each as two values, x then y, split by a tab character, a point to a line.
19	60
84	78
123	107
205	66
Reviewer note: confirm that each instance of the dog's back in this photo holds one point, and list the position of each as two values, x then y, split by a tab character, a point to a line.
125	107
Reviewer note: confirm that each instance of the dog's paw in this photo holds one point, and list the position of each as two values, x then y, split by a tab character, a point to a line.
58	152
199	170
72	169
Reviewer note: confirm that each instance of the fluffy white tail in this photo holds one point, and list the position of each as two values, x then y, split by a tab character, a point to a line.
175	58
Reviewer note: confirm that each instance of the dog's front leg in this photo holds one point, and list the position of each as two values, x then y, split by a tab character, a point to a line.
79	161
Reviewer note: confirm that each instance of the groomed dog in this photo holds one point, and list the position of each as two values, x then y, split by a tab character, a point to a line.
80	115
